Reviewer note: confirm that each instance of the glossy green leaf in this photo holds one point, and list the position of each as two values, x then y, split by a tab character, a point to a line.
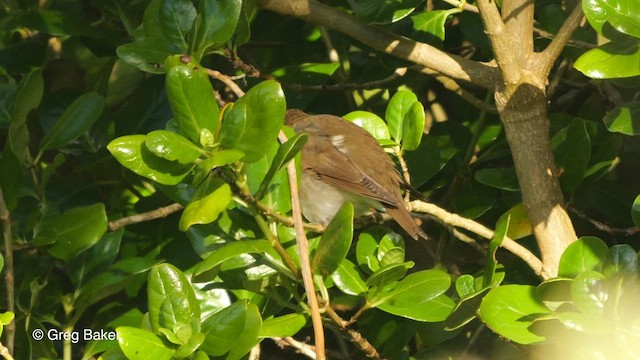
276	194
75	120
386	275
219	158
622	259
77	230
616	59
189	346
171	298
28	96
215	24
587	253
586	324
176	19
572	154
110	281
432	22
430	158
348	279
286	152
140	344
147	54
233	330
367	247
519	224
171	146
465	310
465	285
555	292
419	296
131	152
509	310
151	20
384	11
589	293
190	95
624	119
253	123
370	122
281	326
211	198
622	14
413	127
399	111
202	271
498	237
499	178
335	242
635	211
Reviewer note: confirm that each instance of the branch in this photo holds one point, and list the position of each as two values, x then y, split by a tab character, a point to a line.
453	86
302	348
363	344
305	263
147	216
453	66
551	53
604	227
227	80
9	277
477	228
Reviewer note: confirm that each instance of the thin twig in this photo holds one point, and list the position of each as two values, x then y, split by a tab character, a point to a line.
9	277
147	216
227	81
5	353
453	86
374	84
479	229
604	227
302	348
305	263
576	43
362	343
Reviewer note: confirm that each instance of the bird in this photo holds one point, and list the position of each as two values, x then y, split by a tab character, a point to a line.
342	162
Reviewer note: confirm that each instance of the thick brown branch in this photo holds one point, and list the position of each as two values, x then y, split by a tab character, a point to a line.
453	66
518	21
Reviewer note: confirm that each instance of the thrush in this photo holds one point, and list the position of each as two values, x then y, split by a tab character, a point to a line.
342	162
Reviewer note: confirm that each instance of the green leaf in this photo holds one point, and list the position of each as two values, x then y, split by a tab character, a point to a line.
253	123
176	19
10	180
140	344
384	11
624	119
472	199
211	198
171	299
413	127
499	178
509	310
28	96
335	242
587	324
282	326
171	146
131	152
367	247
419	296
348	279
370	122
386	275
191	98
432	22
555	292
233	249
572	154
276	194
215	24
75	120
622	14
307	74
147	54
519	224
465	285
498	237
399	111
635	211
465	310
616	59
77	230
233	330
286	152
585	254
589	293
622	259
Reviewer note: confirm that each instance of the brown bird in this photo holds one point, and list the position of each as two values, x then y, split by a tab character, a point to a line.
343	162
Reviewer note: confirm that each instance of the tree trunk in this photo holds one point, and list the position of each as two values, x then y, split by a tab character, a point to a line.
523	110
